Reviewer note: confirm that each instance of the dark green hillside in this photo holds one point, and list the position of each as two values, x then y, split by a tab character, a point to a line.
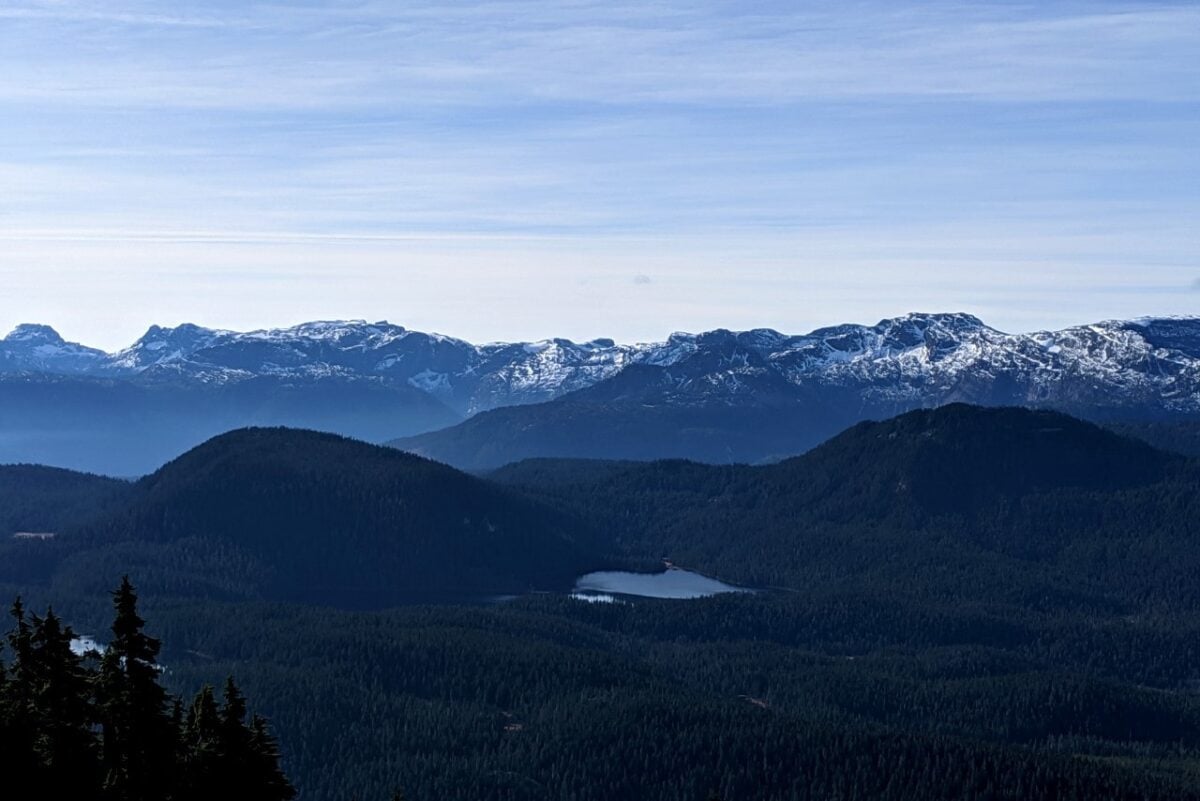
302	516
962	458
45	499
549	698
984	505
1179	436
546	472
975	604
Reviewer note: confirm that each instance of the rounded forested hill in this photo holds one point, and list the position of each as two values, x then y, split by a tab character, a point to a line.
961	458
959	503
303	516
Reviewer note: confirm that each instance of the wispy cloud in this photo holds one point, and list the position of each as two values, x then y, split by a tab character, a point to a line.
64	12
783	164
488	54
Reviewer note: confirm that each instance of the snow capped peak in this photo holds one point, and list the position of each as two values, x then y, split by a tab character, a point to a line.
31	332
183	331
916	358
681	336
1168	333
960	320
918	325
39	348
354	334
764	337
317	329
160	345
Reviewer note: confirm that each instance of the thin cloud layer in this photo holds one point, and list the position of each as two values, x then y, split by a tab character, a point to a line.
798	163
494	54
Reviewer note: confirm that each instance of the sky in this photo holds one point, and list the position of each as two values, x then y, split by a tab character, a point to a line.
521	170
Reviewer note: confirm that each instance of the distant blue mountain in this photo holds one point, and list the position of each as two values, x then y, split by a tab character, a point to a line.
717	396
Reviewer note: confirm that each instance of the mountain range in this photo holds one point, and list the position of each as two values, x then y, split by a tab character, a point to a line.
719	396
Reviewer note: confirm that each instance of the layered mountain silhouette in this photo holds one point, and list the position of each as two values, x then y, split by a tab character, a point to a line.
720	396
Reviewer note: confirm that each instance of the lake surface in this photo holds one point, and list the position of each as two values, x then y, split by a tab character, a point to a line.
673	583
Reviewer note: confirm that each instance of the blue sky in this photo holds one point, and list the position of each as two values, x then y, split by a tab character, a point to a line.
520	170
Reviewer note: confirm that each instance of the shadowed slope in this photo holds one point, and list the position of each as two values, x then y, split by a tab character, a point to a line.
298	515
983	505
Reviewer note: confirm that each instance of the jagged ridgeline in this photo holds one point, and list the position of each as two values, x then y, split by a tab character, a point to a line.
720	396
759	396
99	725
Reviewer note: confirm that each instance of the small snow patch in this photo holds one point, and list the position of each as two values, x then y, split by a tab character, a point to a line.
34	535
82	645
595	598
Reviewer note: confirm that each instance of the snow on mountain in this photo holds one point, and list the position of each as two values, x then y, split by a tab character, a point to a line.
164	346
39	348
918	359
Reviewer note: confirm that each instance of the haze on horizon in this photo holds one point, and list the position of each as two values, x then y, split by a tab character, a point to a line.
523	170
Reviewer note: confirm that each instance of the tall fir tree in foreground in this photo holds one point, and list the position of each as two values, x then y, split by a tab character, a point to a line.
46	720
140	744
77	729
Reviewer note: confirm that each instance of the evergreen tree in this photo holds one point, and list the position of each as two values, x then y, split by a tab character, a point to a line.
139	741
53	704
266	778
20	640
61	709
235	737
17	730
203	772
227	757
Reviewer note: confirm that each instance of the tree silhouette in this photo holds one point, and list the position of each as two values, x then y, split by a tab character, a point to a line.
74	730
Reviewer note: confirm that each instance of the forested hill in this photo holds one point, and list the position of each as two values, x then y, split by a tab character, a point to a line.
986	505
302	516
962	458
42	500
1180	436
979	503
962	603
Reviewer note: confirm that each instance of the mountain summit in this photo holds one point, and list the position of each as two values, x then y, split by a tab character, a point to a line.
716	396
903	358
39	348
